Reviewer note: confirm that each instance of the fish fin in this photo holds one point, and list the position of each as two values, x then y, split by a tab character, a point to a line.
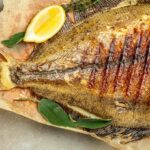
96	6
83	9
127	134
69	23
99	5
102	5
5	61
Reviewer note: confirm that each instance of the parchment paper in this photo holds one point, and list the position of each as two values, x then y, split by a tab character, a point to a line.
14	18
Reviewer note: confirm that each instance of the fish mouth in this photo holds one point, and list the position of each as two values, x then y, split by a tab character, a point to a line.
5	62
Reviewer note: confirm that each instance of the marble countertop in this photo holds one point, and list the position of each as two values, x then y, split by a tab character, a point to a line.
19	133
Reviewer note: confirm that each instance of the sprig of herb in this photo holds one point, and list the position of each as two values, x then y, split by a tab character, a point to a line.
55	115
27	99
79	5
14	39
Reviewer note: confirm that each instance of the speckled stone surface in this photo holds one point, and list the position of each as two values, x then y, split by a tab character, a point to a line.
19	133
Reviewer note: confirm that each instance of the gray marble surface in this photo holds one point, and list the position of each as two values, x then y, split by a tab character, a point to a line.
19	133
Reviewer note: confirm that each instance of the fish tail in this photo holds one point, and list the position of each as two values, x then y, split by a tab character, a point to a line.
5	80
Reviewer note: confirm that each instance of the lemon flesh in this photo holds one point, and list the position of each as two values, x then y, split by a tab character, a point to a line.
45	24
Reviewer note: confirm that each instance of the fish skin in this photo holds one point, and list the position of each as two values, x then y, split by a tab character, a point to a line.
98	66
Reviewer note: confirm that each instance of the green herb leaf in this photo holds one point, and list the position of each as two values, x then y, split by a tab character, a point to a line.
93	123
52	112
15	39
55	115
79	5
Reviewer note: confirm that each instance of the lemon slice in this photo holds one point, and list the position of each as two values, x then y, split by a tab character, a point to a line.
45	24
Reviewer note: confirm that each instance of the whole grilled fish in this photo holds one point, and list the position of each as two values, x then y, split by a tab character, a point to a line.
102	65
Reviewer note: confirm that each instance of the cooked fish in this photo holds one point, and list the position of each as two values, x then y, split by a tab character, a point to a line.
102	65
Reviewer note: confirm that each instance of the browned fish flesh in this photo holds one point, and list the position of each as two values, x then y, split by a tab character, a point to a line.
102	65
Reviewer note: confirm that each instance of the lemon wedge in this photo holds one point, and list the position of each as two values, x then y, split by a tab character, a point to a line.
45	24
